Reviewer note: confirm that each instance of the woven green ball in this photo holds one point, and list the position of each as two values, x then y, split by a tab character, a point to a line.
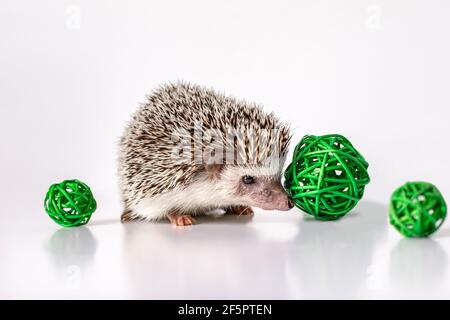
327	176
417	209
70	203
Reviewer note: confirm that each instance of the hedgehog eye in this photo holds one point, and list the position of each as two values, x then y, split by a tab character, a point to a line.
248	179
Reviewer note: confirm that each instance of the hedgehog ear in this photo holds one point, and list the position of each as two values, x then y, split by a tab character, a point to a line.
214	170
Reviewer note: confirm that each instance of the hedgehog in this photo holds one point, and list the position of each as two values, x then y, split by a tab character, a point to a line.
190	150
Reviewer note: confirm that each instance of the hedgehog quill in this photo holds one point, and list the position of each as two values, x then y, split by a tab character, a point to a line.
190	150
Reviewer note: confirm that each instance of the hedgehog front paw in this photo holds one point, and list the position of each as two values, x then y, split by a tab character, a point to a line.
181	220
241	211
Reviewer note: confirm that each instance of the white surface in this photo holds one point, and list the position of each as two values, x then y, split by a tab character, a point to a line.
72	72
275	255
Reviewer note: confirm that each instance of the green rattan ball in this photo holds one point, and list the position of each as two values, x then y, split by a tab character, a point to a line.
70	203
327	176
417	209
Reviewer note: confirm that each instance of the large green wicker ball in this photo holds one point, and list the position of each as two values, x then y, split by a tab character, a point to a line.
327	176
417	209
70	203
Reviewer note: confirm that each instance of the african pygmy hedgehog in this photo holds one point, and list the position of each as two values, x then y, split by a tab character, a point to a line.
190	150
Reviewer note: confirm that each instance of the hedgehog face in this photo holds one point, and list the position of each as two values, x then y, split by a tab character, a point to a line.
264	192
254	186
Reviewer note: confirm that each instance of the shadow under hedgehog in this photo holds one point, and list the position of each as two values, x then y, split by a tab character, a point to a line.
190	150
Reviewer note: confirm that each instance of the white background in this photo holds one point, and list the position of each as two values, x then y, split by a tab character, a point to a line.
72	72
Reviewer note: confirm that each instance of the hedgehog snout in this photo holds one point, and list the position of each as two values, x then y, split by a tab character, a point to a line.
282	201
273	197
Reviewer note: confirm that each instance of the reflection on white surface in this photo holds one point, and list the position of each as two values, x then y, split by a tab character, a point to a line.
72	246
72	252
272	255
277	231
331	258
418	267
217	258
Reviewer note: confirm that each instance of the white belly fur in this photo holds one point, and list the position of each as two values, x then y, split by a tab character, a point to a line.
200	197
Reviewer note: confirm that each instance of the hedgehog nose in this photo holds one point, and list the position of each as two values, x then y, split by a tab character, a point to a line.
290	203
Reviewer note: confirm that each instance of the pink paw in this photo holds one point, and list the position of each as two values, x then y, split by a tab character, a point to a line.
181	220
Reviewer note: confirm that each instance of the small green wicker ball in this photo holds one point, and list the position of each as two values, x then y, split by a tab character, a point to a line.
70	203
417	209
327	176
